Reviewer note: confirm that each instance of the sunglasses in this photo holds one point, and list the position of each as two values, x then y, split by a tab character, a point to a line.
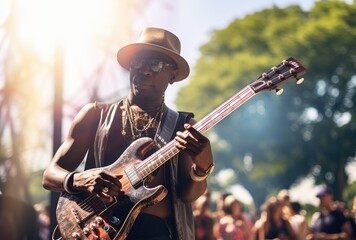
156	65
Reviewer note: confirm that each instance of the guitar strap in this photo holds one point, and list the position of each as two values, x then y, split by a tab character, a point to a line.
166	128
56	235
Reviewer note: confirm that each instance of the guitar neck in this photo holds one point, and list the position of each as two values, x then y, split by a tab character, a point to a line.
224	109
169	150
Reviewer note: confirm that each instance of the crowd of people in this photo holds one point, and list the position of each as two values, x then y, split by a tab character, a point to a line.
279	218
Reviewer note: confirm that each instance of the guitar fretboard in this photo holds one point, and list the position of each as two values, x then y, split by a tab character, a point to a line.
169	150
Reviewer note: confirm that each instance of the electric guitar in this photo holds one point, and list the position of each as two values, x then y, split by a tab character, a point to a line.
85	216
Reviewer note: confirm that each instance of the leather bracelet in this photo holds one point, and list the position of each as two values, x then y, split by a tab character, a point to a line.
68	183
198	178
209	170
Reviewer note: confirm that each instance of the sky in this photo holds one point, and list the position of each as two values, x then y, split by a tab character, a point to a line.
198	18
194	20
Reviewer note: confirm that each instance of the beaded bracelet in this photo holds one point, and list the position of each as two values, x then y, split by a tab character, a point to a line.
68	183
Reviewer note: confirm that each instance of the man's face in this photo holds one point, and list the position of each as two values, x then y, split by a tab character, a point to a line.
326	199
150	74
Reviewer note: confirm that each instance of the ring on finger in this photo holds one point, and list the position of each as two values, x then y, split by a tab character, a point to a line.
105	190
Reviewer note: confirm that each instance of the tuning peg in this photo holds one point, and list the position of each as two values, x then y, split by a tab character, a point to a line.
279	91
299	80
274	69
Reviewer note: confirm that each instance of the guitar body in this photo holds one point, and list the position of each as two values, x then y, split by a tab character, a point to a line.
85	216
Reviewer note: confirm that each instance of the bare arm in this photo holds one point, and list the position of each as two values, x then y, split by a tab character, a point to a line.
72	152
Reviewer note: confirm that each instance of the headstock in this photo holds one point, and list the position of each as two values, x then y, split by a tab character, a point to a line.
276	76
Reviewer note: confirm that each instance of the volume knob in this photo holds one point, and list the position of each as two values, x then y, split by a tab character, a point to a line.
99	221
86	231
115	220
76	235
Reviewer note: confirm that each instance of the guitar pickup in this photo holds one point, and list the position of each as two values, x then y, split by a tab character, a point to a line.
133	177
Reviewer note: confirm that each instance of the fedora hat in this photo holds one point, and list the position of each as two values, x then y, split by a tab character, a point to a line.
157	40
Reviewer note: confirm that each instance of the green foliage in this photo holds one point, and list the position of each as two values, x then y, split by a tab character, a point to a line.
349	195
310	129
310	209
38	193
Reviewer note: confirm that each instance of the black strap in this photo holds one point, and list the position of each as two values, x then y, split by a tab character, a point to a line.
166	128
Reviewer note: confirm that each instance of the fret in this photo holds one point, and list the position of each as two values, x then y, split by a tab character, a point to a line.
224	110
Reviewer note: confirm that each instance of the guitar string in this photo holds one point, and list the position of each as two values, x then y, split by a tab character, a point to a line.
126	185
153	159
248	89
225	106
90	204
164	151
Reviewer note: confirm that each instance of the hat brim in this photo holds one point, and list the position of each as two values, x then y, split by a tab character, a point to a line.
125	54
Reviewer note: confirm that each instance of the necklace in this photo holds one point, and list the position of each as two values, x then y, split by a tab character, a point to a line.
139	122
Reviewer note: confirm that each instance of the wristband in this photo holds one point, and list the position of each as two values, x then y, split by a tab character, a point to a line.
68	183
199	178
208	171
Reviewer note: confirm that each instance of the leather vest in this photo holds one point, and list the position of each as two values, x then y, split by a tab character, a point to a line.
183	214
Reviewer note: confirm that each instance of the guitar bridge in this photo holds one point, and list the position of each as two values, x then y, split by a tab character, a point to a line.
75	214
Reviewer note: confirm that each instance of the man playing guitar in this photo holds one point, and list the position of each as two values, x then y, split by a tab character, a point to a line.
101	133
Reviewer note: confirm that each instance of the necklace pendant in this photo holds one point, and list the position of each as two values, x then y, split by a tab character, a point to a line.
123	132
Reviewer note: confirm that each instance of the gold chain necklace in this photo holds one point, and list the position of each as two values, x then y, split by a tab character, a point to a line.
129	116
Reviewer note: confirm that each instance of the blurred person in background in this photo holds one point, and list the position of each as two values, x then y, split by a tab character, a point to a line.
272	224
353	218
219	213
350	225
298	221
284	197
234	225
43	213
329	222
18	220
205	224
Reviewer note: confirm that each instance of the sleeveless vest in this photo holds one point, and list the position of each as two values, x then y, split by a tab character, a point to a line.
183	214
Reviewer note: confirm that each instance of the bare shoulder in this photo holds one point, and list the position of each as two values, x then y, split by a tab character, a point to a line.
87	117
90	111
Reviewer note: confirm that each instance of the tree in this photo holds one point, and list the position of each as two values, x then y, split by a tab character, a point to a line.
271	143
19	108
